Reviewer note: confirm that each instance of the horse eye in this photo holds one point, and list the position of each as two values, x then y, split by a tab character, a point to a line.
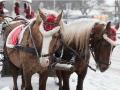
56	35
106	44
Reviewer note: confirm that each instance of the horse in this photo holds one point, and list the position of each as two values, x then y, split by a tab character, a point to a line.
79	39
31	53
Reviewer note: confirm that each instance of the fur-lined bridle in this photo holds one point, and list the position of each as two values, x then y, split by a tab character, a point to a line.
93	41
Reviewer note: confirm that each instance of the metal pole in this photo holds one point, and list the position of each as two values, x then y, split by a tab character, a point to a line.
115	11
54	4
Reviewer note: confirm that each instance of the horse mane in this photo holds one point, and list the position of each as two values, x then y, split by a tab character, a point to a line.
78	32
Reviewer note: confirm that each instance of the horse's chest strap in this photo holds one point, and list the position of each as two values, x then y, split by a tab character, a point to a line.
27	49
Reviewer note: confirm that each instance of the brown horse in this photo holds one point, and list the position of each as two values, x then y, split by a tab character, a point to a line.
32	54
81	37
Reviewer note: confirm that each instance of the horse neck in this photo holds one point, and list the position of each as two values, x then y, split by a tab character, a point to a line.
37	36
76	34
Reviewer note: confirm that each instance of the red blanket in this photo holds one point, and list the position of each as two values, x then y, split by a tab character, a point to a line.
13	37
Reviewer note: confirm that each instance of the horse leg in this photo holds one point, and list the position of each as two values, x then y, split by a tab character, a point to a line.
66	76
23	82
14	71
28	85
27	78
81	77
42	80
59	75
15	82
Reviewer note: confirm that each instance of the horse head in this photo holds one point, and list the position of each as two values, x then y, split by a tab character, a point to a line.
49	28
103	39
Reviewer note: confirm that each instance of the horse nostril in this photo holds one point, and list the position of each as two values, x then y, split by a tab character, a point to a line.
44	62
47	61
103	68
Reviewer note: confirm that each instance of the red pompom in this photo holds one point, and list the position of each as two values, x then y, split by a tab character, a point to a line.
112	34
51	18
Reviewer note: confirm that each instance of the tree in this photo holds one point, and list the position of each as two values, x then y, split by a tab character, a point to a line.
87	6
99	2
117	9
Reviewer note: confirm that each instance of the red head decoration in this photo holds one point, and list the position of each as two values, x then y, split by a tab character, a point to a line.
111	31
49	23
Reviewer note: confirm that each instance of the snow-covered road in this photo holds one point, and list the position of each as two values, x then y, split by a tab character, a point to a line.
109	80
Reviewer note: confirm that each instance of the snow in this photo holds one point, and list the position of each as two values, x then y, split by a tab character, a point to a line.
109	80
5	88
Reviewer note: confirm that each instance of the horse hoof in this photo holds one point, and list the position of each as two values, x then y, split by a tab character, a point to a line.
22	88
15	88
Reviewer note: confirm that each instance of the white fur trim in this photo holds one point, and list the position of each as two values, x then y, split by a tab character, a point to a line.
21	34
30	8
45	45
47	37
44	61
113	43
13	22
10	45
48	33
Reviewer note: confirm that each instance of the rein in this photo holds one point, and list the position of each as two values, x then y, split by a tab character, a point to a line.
75	52
35	48
30	50
33	42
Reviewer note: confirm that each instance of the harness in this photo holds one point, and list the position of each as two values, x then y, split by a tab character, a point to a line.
90	47
34	50
77	54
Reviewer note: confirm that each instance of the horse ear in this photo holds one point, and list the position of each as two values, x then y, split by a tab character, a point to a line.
42	15
108	26
98	27
59	17
117	26
38	18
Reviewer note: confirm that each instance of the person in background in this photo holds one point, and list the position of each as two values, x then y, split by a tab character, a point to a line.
25	7
17	8
1	9
28	11
2	15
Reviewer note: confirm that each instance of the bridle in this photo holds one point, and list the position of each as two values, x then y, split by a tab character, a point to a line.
75	53
50	23
92	44
33	50
36	50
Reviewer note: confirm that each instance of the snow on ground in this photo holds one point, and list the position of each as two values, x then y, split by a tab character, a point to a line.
109	80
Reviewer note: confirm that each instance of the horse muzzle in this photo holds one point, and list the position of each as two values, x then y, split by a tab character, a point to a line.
44	61
103	67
